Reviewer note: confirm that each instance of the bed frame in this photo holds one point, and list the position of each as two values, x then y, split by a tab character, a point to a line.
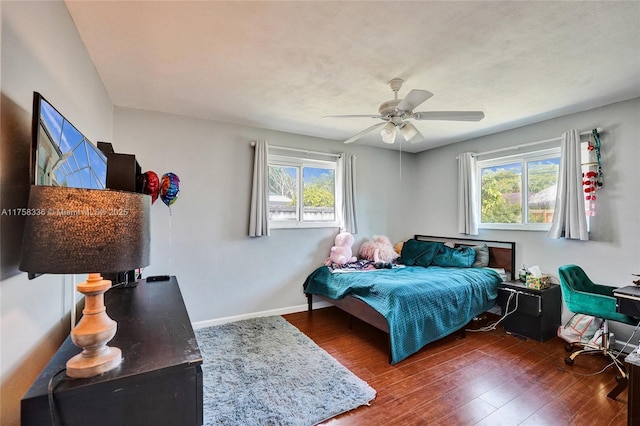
502	254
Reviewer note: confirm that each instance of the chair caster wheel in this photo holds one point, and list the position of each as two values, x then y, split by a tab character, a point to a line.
568	347
621	379
568	361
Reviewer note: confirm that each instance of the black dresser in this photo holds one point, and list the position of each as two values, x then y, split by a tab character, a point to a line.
159	381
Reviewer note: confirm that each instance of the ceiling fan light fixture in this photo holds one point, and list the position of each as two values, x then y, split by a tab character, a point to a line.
409	131
388	133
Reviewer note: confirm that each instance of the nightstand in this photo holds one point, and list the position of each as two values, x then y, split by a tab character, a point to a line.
538	311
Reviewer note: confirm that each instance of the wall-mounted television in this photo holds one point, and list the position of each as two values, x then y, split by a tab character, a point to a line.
61	155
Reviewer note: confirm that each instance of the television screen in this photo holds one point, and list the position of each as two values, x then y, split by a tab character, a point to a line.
62	156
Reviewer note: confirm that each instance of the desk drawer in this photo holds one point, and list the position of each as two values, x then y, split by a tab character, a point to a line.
628	306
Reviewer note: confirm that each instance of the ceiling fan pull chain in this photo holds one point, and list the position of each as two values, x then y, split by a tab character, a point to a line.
400	153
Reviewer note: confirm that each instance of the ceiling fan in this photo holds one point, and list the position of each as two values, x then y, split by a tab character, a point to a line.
393	114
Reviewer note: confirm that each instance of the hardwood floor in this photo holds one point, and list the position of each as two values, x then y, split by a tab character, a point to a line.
486	378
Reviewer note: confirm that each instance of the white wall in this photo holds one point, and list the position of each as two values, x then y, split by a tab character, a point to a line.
41	51
613	253
222	272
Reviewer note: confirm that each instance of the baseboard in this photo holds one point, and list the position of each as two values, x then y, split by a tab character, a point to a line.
628	347
280	311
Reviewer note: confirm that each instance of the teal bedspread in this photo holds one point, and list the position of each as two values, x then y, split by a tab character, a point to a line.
420	304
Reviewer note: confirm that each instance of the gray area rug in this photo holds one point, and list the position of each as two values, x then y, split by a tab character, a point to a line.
264	371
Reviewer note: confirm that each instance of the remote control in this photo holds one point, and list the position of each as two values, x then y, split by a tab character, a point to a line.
158	278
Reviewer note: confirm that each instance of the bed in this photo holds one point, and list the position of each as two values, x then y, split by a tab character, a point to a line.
416	305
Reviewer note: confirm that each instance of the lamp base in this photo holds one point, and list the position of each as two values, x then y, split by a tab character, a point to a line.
93	332
81	366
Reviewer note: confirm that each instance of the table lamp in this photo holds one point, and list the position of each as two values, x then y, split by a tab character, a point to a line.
76	231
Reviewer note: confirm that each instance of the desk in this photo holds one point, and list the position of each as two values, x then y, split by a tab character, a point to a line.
628	303
159	381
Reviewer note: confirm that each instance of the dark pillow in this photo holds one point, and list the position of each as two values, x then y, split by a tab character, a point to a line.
482	256
419	253
459	257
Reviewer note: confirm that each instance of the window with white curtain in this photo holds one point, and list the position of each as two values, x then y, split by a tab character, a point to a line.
518	191
303	192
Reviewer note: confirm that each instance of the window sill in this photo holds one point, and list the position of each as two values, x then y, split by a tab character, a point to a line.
541	227
302	225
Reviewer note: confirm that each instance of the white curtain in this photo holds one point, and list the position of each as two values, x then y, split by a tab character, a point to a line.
468	215
347	166
259	214
569	216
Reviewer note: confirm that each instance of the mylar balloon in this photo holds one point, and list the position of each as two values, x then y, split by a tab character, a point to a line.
169	188
150	185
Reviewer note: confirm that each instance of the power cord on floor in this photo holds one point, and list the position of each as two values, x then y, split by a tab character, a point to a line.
508	312
621	351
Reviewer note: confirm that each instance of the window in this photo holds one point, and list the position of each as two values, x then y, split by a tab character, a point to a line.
303	193
519	191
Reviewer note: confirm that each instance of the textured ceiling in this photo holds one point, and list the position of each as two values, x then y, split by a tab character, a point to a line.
285	65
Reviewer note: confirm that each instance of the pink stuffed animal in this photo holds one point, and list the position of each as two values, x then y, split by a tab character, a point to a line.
341	252
380	250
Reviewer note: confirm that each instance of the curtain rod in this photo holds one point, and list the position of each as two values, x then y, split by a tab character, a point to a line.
305	151
599	129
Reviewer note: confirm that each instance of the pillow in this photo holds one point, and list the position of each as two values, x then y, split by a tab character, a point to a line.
419	253
460	257
482	256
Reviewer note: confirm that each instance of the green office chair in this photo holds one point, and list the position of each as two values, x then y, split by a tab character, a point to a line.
583	296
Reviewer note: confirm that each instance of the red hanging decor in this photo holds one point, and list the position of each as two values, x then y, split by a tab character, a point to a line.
591	179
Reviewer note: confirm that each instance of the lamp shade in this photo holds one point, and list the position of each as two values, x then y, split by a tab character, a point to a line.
409	131
388	133
73	231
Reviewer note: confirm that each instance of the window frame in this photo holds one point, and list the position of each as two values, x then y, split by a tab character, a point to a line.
524	158
301	163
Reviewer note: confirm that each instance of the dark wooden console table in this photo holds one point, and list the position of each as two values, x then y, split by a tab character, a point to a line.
159	381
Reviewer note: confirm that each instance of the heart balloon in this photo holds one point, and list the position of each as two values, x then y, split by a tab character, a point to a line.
150	185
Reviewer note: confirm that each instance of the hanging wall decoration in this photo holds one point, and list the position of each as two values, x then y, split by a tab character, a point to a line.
594	146
592	176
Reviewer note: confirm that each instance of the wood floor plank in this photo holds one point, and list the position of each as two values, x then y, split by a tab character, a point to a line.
466	414
486	378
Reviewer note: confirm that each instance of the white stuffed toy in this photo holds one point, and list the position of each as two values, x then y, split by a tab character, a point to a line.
379	250
340	253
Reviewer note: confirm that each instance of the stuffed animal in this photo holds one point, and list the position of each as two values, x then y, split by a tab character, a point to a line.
398	247
340	253
380	250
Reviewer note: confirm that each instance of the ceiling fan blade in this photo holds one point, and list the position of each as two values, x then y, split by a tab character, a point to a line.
411	133
364	132
449	115
352	116
414	98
